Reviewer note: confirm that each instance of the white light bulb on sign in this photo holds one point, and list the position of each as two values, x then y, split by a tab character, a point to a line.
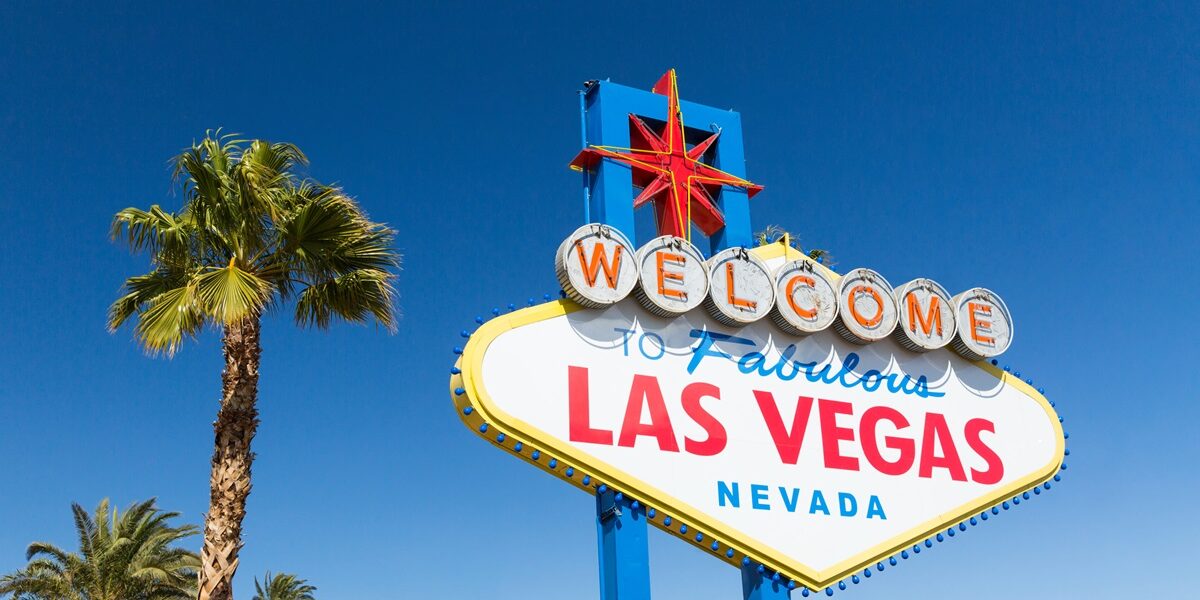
927	320
596	266
866	307
674	278
806	299
985	327
740	289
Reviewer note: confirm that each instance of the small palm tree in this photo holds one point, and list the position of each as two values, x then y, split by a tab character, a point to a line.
122	556
774	233
252	234
283	586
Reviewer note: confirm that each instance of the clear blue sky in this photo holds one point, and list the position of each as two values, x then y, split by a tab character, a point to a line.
1056	150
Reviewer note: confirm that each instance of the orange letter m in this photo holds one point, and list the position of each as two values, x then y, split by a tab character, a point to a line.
928	321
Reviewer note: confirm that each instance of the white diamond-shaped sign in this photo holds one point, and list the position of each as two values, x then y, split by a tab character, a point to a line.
811	455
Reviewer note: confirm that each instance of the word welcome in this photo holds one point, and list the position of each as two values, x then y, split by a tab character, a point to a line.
597	266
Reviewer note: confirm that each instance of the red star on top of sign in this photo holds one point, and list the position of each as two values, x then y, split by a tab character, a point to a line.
669	173
672	175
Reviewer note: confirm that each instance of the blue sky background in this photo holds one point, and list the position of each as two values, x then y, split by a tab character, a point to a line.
1049	153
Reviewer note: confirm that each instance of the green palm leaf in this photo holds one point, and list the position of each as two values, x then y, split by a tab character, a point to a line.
774	233
128	555
155	230
316	229
230	294
283	586
352	297
168	318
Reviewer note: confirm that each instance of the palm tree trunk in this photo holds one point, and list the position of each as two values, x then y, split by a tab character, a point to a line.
236	423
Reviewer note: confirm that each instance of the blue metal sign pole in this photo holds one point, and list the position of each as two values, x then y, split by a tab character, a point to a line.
608	196
623	548
757	585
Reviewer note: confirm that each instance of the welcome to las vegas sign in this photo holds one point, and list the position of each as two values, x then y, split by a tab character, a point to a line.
760	406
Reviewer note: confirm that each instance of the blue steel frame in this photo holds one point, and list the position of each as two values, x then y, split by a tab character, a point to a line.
623	548
757	585
608	198
608	192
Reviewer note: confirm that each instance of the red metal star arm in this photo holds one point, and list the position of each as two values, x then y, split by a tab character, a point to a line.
657	145
699	149
712	175
653	189
703	209
588	158
673	134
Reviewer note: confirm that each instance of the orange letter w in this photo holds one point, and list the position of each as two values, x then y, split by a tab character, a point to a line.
599	260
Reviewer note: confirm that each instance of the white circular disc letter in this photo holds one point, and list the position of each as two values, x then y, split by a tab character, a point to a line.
985	327
866	307
596	266
927	319
740	287
673	276
806	299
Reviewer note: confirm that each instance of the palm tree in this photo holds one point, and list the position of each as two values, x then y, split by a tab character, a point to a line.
283	586
252	233
774	233
122	556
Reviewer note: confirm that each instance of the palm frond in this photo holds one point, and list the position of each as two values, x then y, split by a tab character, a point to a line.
370	249
157	231
330	235
85	529
316	229
822	256
771	234
47	549
140	290
168	318
232	294
353	297
774	233
266	160
283	586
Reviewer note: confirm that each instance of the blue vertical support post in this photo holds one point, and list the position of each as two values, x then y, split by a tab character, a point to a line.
760	586
623	549
608	191
733	202
583	134
608	198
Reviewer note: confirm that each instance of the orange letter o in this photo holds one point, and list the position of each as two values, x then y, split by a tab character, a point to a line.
873	321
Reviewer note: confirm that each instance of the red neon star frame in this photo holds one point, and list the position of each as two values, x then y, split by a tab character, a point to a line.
672	176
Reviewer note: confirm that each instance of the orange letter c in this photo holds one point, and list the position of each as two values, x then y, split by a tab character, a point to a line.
806	313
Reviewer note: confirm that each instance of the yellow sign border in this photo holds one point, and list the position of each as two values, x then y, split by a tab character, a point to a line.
478	412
